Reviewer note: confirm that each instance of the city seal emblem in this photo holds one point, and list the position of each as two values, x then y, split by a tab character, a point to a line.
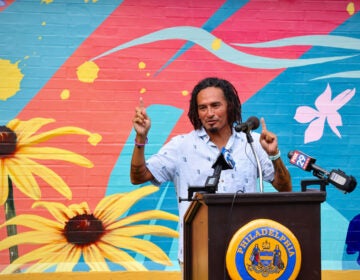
263	249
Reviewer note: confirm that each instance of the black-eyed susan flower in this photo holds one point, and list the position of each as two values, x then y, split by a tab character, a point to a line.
104	234
18	155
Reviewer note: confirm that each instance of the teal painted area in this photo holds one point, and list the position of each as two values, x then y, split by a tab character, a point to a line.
226	53
119	180
278	101
165	198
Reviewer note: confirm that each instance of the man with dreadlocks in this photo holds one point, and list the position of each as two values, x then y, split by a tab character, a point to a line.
186	160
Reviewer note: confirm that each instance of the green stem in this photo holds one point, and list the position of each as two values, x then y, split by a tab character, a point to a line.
11	229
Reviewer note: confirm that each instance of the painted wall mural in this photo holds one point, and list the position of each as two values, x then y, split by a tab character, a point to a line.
72	73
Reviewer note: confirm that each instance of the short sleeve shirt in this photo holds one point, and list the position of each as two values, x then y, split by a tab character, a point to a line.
187	160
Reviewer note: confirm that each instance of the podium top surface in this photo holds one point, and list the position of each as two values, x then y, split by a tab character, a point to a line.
264	197
247	199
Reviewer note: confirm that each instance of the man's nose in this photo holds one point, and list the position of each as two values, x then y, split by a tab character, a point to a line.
210	111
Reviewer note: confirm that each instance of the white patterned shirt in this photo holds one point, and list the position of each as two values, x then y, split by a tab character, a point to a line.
187	160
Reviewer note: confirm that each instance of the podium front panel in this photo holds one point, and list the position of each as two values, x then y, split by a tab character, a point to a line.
213	219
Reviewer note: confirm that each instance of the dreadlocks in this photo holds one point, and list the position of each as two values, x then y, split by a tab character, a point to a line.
231	96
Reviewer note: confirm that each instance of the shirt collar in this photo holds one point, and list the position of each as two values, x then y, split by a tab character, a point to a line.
203	135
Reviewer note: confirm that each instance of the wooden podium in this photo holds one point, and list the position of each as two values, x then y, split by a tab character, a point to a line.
213	219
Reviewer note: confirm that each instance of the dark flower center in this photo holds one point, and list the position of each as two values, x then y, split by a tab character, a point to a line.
8	141
83	229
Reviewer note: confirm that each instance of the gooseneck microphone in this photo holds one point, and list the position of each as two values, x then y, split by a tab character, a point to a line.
252	123
337	177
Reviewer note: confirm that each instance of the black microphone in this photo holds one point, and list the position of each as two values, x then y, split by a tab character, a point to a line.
338	178
223	162
252	123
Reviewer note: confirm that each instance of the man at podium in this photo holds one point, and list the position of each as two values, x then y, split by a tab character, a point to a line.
188	159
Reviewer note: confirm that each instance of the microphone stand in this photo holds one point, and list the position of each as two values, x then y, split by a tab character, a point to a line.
250	141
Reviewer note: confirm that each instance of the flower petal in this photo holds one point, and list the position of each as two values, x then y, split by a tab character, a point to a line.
58	210
35	222
44	254
31	237
115	210
46	250
324	99
305	114
314	131
13	124
70	259
144	247
94	259
65	258
143	216
24	129
54	154
120	257
93	139
23	178
334	120
48	175
4	181
343	98
80	209
105	203
137	230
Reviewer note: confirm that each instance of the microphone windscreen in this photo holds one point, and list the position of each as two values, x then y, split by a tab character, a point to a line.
254	121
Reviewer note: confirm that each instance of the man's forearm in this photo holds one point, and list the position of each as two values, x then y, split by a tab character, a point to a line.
138	170
282	179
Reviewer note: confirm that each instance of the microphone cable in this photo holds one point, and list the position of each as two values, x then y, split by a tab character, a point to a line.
228	229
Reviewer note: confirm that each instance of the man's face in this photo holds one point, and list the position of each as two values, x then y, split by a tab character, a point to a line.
212	109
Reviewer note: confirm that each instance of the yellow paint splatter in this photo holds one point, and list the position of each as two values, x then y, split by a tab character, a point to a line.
142	65
143	90
147	74
43	23
10	77
46	1
87	72
185	93
350	8
216	44
94	139
65	94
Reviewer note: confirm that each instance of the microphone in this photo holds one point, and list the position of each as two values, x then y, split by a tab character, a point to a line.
223	162
252	123
338	178
228	159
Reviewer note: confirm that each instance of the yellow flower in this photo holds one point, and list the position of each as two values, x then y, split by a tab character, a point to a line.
98	236
18	151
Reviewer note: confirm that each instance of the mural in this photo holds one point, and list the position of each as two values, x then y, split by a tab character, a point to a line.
70	70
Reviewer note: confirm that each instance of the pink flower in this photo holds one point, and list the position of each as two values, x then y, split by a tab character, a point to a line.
326	109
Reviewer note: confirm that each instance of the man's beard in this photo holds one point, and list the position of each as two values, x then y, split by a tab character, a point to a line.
213	130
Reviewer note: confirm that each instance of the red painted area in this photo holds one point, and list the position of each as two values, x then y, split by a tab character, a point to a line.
5	4
107	105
